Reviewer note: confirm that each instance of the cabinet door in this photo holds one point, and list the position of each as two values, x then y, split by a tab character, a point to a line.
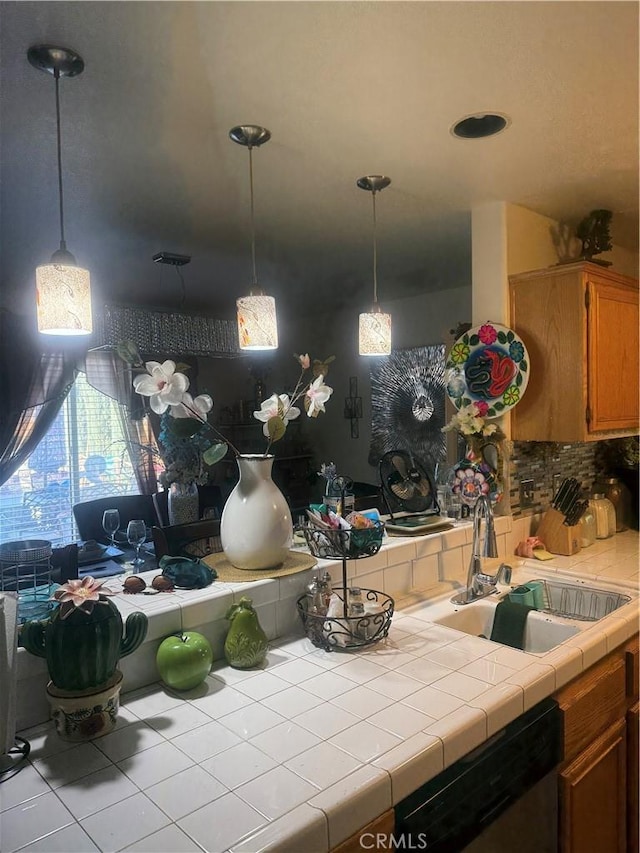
633	793
593	796
613	356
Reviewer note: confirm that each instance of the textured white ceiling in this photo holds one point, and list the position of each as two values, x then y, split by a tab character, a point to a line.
347	89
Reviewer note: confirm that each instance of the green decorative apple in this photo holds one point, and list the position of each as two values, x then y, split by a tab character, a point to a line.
184	660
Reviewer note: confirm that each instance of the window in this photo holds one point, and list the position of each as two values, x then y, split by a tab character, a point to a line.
82	457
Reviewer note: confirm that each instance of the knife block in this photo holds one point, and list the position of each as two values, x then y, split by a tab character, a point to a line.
557	537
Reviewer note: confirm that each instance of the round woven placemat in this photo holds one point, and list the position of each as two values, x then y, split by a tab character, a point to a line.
295	561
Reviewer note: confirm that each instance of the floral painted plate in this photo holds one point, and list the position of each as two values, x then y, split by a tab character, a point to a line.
471	480
488	366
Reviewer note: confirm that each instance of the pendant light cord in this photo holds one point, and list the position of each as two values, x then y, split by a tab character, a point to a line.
56	76
253	225
375	253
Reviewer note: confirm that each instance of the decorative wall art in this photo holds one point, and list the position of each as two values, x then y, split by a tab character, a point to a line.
408	405
353	407
489	366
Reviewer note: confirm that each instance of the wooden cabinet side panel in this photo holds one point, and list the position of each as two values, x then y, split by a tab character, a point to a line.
613	356
591	703
379	830
550	315
592	797
632	660
633	788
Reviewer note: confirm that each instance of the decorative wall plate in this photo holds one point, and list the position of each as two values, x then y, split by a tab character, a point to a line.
488	366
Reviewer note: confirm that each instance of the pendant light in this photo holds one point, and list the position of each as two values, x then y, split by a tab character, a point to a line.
257	323
374	336
63	289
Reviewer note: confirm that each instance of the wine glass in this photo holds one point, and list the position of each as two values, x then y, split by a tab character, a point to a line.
136	535
111	523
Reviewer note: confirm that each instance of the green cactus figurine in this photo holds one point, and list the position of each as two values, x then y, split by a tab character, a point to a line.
82	643
246	644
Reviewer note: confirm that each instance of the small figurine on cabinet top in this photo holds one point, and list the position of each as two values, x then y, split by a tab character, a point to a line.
593	231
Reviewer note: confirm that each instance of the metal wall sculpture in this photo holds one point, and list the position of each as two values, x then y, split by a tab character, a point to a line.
408	405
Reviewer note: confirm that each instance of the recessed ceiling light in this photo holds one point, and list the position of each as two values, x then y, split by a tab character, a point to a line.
480	125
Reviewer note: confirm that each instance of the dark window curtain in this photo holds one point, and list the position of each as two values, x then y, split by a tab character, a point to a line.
110	375
34	383
143	450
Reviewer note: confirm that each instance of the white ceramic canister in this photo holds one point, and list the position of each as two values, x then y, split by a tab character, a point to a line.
605	515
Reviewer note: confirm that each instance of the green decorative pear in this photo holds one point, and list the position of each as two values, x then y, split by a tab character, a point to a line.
246	644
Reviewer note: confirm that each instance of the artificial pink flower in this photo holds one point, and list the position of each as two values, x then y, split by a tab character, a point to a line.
482	407
487	333
82	594
305	361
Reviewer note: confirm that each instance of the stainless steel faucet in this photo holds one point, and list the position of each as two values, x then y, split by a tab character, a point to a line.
479	583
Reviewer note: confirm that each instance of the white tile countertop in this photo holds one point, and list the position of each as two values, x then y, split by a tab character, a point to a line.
301	753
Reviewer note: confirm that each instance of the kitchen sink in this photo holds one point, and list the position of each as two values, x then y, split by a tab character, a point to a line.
542	632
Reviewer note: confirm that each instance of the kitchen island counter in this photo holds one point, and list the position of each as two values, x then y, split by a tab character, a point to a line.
303	752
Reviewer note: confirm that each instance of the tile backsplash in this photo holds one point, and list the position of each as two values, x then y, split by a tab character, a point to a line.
540	461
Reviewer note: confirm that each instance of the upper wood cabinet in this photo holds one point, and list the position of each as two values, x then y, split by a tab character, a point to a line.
579	323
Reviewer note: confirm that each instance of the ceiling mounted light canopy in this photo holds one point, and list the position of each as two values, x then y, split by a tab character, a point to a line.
63	289
257	322
374	336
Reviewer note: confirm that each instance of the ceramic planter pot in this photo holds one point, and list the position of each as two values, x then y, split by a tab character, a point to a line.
85	714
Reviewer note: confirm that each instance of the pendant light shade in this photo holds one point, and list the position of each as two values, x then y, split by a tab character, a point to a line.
374	333
63	289
257	322
63	300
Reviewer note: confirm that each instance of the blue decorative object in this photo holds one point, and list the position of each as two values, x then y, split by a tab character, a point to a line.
186	573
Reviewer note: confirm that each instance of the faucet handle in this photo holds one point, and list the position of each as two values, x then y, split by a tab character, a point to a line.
504	573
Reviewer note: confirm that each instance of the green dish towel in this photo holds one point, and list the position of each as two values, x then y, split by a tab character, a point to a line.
509	623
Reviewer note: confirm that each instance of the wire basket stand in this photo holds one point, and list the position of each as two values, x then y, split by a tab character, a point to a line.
344	631
25	568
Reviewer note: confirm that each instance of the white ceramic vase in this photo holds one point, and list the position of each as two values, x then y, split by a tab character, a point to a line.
256	529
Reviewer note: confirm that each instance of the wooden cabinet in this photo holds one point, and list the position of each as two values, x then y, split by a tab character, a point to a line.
592	796
579	323
633	791
598	778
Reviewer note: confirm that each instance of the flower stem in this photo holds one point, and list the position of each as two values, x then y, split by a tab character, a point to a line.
198	417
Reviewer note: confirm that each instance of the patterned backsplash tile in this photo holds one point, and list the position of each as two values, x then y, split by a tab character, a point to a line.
540	461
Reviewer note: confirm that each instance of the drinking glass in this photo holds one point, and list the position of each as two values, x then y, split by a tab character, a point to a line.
136	535
111	523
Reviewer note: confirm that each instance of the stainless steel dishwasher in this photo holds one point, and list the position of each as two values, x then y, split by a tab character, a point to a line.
500	798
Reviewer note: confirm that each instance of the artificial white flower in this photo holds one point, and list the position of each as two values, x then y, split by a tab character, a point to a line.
273	407
162	385
318	394
201	404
